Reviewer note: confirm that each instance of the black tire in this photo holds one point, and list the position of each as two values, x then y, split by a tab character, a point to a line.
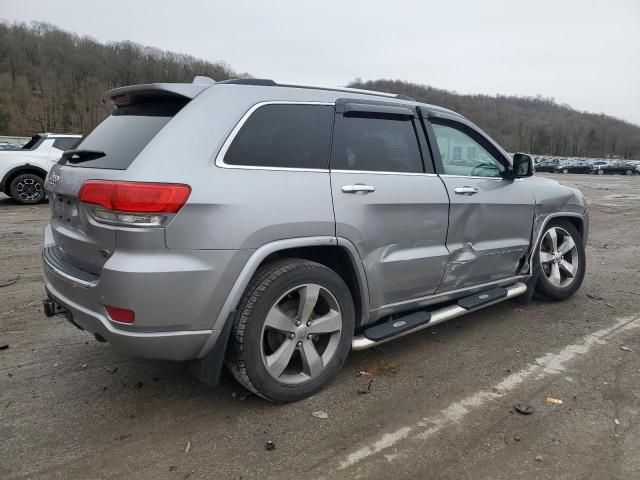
544	287
629	172
27	189
244	353
600	172
564	170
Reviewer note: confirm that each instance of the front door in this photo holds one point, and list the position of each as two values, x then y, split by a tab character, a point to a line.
388	201
491	217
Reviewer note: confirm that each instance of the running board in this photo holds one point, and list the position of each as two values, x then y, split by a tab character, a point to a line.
416	321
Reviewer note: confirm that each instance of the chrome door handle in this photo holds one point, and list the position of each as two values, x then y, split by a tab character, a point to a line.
358	187
465	190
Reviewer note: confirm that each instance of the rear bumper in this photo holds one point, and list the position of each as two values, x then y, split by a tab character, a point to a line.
176	297
174	345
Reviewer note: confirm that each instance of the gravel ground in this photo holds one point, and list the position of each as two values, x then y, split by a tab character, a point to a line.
440	406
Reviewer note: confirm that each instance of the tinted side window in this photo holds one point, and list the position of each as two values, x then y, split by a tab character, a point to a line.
65	143
285	136
462	155
375	144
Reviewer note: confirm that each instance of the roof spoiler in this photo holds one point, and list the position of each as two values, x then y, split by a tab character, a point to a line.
186	90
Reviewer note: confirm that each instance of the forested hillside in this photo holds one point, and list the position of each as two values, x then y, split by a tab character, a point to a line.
537	125
51	80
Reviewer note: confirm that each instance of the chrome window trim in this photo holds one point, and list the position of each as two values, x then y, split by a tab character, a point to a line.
447	175
219	162
375	172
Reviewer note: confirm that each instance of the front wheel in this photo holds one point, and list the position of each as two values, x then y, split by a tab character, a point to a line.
27	189
560	256
629	172
292	331
565	170
600	172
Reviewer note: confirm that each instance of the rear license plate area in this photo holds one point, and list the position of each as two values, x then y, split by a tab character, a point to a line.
64	209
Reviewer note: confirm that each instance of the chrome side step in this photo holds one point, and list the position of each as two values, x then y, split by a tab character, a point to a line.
421	320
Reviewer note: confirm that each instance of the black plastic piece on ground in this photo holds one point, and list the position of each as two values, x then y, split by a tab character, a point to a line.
398	325
482	298
208	368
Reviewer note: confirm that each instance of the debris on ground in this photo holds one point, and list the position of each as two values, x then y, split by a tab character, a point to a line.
269	445
594	297
320	414
138	385
4	346
188	447
617	422
366	390
538	458
84	365
8	284
557	401
523	408
364	373
609	305
110	369
626	349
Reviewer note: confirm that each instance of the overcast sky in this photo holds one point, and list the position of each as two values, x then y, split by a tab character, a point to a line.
582	52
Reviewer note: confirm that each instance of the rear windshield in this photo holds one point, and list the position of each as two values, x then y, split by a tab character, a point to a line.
124	133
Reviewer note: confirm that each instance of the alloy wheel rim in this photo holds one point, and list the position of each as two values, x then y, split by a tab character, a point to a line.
301	334
29	189
559	257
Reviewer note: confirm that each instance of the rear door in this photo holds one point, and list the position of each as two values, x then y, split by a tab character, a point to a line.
491	217
387	199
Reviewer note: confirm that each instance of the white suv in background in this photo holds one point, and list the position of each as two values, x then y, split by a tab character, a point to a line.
22	172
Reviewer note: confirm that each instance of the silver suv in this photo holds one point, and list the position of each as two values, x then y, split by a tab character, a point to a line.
275	227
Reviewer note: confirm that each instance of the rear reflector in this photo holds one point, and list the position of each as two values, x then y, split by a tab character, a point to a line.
121	315
135	197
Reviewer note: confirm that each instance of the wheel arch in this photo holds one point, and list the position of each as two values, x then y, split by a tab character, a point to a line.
336	253
577	220
14	172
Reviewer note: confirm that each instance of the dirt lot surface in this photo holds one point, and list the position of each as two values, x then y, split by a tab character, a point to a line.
440	406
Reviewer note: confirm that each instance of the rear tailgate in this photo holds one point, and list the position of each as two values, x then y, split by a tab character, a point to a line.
138	114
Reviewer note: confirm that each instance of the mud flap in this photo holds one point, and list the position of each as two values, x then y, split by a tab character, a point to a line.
208	368
526	297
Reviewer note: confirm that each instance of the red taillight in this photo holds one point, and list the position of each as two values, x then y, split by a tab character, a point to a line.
135	197
121	315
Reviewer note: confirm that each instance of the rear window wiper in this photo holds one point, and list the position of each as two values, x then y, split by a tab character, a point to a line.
82	155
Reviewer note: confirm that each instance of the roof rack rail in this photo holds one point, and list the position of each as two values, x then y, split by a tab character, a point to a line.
265	82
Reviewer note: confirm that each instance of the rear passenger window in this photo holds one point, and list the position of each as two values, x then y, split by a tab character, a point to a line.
375	144
284	136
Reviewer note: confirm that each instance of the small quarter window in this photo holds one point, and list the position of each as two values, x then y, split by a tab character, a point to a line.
284	136
65	143
375	144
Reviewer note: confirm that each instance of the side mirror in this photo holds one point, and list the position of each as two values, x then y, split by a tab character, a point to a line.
522	165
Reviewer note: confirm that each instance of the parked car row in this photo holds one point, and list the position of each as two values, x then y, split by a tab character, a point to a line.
599	167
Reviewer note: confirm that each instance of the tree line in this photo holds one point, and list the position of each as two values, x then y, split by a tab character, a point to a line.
51	80
529	124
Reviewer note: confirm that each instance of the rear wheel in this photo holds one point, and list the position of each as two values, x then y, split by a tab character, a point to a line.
560	256
565	170
600	172
629	172
293	330
27	189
